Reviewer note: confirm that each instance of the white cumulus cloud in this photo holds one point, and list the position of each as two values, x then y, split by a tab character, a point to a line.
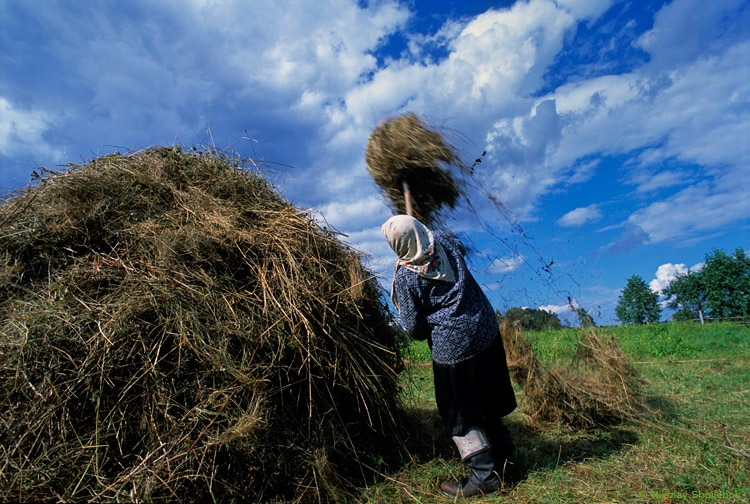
556	309
581	216
506	264
666	273
22	130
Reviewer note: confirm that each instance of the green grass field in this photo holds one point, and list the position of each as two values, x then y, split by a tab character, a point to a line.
694	448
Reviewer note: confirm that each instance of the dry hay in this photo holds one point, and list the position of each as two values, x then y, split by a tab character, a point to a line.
405	149
172	329
599	388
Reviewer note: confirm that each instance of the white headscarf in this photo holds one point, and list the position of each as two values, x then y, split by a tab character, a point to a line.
417	250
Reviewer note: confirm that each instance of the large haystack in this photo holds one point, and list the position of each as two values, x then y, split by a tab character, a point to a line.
172	329
598	388
406	149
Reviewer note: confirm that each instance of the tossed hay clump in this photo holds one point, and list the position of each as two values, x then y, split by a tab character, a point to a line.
599	388
405	149
172	329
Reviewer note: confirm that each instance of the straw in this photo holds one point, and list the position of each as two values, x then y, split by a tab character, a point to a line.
173	330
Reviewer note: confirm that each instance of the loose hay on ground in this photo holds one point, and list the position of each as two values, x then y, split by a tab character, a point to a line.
405	149
172	329
599	388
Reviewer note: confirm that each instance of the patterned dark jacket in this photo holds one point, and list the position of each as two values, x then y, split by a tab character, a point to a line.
457	319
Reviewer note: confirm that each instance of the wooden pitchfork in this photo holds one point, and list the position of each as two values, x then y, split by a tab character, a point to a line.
407	198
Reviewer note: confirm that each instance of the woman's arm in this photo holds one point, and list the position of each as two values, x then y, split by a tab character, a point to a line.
413	319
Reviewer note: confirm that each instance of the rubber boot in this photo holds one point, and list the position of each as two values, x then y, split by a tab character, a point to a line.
481	481
476	454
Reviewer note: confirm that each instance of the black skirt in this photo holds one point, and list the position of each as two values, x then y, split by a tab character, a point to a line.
476	392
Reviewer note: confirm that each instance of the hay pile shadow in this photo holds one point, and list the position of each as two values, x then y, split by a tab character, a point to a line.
172	329
406	149
599	388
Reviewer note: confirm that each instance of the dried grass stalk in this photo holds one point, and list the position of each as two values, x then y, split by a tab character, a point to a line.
599	388
405	149
172	329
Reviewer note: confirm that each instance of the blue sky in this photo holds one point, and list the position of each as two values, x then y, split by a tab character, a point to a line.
617	132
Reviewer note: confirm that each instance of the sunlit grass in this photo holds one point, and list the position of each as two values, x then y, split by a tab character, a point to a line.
693	449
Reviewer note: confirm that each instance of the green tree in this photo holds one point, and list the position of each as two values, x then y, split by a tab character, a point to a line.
534	319
720	290
638	304
727	283
684	315
687	293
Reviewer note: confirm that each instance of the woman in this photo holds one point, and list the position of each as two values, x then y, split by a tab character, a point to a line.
439	300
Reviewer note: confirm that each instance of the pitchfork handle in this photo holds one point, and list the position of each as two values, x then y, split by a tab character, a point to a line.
407	198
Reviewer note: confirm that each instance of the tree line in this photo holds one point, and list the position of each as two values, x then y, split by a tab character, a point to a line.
536	319
719	290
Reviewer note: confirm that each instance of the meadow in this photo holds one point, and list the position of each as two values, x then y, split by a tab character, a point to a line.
691	445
